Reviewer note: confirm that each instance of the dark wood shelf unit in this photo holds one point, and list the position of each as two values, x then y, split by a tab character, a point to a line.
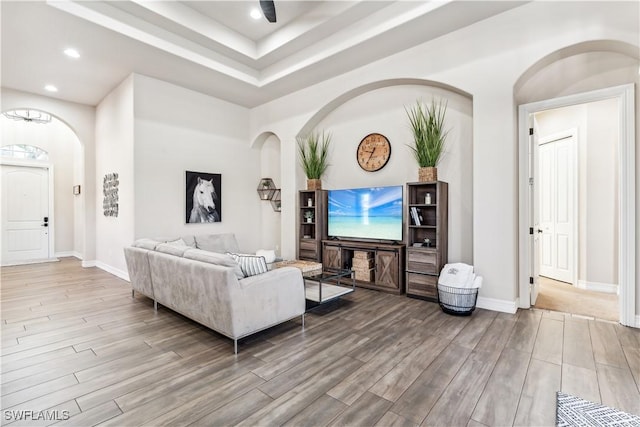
387	261
312	233
425	262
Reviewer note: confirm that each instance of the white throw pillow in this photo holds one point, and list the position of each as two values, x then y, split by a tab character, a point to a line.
178	243
250	265
268	254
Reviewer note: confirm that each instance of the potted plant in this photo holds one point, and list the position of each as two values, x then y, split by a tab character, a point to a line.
308	215
429	137
314	157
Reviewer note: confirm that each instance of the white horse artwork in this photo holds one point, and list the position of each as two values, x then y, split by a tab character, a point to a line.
204	206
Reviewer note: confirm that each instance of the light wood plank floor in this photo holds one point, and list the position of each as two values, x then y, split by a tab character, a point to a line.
75	343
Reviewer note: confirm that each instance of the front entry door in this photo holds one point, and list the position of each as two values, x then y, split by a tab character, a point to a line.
25	214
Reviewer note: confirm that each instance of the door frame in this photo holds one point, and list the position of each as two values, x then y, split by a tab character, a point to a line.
40	165
575	155
625	94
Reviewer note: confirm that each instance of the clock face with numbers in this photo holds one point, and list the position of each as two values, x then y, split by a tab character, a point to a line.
373	152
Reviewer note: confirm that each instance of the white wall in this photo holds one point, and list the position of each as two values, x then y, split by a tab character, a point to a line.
383	111
81	120
597	125
178	130
63	147
485	60
114	154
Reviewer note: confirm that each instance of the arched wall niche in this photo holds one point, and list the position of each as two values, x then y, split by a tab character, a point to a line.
66	156
270	147
353	93
381	107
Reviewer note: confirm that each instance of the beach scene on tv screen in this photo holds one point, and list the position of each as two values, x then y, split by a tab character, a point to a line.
366	213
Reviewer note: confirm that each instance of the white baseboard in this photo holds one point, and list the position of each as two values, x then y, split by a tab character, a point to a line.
610	288
637	325
501	305
115	271
87	264
66	254
30	261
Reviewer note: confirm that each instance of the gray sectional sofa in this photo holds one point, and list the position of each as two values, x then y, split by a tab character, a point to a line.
195	277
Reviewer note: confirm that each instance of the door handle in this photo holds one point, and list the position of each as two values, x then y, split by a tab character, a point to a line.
539	230
46	224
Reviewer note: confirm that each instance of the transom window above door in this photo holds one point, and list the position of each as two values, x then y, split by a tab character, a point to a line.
23	151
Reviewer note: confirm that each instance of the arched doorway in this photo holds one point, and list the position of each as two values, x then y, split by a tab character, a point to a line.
59	221
574	85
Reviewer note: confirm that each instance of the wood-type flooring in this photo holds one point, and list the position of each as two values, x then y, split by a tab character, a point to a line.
78	350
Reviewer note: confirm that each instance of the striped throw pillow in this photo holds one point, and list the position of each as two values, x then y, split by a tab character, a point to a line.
250	265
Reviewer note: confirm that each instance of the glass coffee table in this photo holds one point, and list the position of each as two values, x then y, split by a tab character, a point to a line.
327	286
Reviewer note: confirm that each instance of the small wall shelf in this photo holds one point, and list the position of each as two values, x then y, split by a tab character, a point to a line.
266	189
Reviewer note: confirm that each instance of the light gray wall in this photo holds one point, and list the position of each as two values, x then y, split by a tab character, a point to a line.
178	130
114	154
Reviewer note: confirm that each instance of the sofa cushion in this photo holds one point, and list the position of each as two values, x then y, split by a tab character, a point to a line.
189	240
250	265
215	258
221	243
146	244
172	249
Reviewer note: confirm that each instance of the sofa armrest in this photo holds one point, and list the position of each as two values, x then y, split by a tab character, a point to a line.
137	260
268	299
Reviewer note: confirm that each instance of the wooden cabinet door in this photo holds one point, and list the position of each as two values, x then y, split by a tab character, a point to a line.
387	269
331	258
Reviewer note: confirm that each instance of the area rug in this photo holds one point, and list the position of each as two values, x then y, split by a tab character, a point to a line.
573	411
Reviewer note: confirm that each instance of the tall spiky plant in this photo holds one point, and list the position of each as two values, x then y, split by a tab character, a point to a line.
314	153
429	136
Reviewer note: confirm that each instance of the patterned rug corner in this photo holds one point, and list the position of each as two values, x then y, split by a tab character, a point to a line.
574	411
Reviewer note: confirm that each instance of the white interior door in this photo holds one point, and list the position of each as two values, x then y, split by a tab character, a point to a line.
535	214
25	213
556	207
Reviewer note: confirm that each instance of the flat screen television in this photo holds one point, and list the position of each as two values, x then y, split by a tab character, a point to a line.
372	213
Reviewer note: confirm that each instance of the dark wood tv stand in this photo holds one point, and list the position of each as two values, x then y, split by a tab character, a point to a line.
384	262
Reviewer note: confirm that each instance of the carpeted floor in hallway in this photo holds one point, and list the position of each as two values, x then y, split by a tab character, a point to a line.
560	296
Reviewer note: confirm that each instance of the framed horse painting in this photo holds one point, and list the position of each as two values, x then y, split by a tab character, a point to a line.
203	202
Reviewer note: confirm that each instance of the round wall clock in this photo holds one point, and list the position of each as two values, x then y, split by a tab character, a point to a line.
373	152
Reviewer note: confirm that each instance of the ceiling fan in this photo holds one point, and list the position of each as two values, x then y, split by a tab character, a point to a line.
268	9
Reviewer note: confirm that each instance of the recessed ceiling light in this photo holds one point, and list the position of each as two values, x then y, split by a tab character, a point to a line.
51	88
72	53
255	13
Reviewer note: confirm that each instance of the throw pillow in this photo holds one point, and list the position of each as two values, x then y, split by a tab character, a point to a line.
215	258
250	265
178	243
146	244
221	243
167	248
